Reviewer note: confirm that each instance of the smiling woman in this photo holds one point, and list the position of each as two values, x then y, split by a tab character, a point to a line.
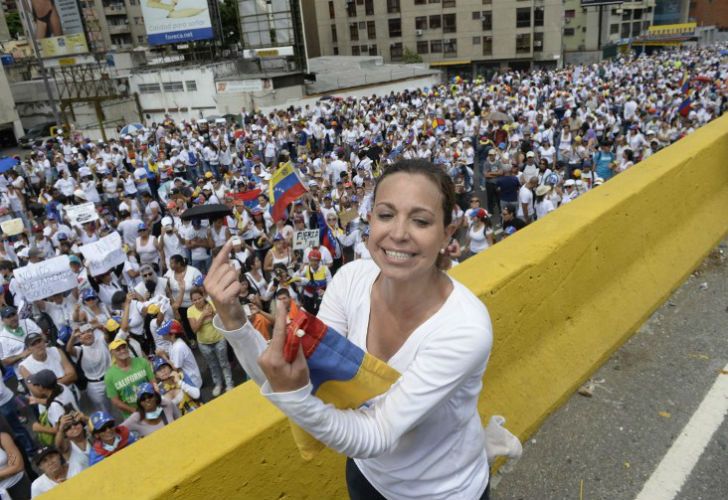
423	438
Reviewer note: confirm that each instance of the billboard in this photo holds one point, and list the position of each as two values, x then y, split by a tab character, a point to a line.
57	26
176	22
590	3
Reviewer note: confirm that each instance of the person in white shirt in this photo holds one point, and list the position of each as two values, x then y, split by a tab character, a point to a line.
180	356
525	200
12	336
55	470
401	442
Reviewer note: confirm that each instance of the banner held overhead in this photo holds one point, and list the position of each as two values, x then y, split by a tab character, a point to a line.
176	22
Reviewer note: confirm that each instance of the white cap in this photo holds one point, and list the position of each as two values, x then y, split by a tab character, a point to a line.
84	171
235	240
530	154
46	231
79	194
569	182
18	245
167	221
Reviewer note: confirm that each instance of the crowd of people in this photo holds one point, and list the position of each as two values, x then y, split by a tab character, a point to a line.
121	345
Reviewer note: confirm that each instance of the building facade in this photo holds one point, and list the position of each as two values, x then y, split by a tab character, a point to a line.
710	13
466	35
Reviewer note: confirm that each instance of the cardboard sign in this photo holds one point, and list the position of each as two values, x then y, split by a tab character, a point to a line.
81	214
41	280
103	255
305	239
12	227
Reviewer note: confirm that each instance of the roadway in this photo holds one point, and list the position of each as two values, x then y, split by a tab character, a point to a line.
626	441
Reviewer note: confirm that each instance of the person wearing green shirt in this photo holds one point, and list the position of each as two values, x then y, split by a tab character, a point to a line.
124	376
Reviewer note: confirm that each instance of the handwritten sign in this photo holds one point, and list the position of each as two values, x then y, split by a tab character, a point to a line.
103	255
305	239
12	227
41	280
81	214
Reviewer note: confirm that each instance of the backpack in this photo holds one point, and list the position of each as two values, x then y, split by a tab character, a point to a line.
81	379
46	438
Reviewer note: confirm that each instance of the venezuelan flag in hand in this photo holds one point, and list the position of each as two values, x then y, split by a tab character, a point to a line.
685	107
285	188
341	373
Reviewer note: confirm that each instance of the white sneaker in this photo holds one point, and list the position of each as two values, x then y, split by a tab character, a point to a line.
229	388
216	391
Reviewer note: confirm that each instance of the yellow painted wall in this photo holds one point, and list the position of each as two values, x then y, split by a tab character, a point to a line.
563	295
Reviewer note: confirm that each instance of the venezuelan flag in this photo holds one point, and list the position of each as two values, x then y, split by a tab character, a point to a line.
248	198
285	188
341	373
685	107
327	237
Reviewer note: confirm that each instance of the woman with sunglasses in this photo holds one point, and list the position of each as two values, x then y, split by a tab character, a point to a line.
108	438
91	310
152	413
73	440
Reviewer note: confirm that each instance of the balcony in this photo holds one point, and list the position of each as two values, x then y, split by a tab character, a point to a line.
117	9
117	29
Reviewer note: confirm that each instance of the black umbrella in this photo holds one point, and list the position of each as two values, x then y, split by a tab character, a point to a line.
207	212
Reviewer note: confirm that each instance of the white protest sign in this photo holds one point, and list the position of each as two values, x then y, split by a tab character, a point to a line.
12	227
103	255
305	239
41	280
81	214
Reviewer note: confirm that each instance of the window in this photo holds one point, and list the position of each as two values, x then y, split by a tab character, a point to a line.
369	7
448	23
360	2
538	14
332	13
487	2
191	86
334	35
336	51
637	14
421	23
538	42
149	88
355	50
354	32
486	19
420	2
371	30
436	46
450	47
362	25
372	50
395	27
626	15
351	9
570	14
523	17
173	87
569	31
423	47
132	2
523	43
395	51
487	45
476	15
448	3
636	28
433	1
625	31
613	29
476	40
435	22
392	6
140	38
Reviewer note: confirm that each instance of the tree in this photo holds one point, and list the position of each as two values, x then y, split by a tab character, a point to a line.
410	57
15	27
230	22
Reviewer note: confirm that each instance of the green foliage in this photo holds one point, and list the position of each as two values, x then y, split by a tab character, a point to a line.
230	21
14	25
410	57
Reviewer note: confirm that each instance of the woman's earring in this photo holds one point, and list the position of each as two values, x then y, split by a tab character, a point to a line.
442	251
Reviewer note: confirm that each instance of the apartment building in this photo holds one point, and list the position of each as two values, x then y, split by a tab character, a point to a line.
120	24
710	13
465	35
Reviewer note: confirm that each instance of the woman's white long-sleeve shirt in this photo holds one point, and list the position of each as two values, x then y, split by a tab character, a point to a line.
423	438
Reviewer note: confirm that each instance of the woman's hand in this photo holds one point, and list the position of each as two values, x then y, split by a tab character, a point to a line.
282	375
223	287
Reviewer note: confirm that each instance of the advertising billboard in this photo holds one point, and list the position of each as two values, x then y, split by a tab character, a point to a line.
57	26
176	22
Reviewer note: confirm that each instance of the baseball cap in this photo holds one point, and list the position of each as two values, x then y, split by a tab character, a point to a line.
153	309
158	362
44	452
88	293
44	378
171	204
167	222
208	175
530	154
112	324
115	344
100	419
62	237
142	227
569	182
145	389
170	326
314	254
32	337
198	281
235	240
8	311
73	259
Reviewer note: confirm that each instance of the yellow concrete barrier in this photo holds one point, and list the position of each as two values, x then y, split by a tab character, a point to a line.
563	295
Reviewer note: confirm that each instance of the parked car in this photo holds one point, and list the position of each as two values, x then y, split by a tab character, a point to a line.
37	135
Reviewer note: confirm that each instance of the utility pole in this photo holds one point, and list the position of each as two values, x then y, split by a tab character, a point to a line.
30	32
